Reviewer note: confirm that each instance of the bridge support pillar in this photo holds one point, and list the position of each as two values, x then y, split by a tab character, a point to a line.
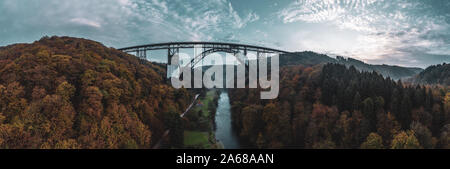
171	52
141	53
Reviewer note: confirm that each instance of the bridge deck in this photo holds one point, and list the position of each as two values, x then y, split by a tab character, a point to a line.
224	45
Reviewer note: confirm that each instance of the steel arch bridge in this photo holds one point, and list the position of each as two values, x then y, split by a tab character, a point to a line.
173	48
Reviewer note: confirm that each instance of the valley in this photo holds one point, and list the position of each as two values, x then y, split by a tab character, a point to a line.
63	92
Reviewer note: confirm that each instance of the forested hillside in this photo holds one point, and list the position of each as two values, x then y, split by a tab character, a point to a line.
392	71
306	58
436	74
63	92
310	59
333	106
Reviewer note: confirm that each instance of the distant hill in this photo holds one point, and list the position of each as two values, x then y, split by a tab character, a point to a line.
395	72
311	58
64	92
306	58
435	74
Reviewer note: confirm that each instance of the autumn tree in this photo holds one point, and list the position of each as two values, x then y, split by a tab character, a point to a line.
447	108
62	92
405	140
276	122
387	127
332	103
343	130
422	134
175	125
445	137
373	141
251	122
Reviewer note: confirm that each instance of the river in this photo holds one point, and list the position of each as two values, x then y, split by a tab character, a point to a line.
224	131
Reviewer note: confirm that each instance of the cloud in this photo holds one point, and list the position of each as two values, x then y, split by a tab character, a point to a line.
241	22
83	21
371	30
384	28
121	23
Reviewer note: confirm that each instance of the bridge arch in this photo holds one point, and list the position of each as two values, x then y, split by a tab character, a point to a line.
194	61
208	48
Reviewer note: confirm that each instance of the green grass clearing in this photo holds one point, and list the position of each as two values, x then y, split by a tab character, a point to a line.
196	139
210	95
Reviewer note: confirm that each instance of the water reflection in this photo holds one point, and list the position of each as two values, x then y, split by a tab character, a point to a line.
224	131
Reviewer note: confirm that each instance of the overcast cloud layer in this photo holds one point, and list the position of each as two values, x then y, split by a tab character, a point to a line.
407	33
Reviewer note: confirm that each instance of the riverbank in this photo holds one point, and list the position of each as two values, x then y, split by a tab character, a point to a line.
199	132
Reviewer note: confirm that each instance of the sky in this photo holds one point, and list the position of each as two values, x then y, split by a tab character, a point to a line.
414	33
